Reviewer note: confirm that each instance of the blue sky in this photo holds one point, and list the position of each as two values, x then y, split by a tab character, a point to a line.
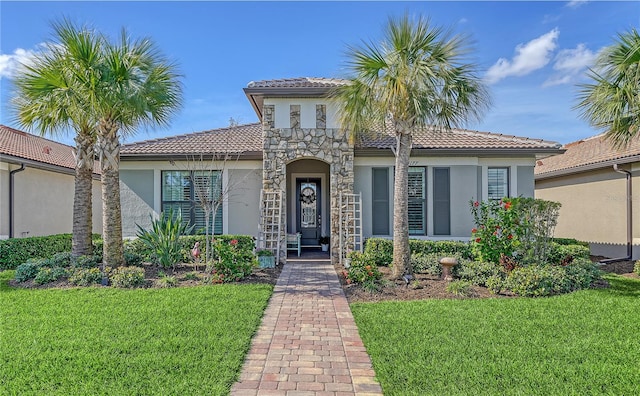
531	53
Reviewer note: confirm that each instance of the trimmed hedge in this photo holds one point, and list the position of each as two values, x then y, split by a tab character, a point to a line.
381	250
16	251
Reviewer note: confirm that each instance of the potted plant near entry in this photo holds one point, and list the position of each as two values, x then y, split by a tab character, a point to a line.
265	258
324	243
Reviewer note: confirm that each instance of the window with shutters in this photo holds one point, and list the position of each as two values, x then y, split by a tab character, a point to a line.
498	183
417	201
380	204
183	191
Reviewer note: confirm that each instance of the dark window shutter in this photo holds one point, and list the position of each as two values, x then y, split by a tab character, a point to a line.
441	202
380	199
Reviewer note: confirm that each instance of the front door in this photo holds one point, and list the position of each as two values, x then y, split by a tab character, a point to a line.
308	215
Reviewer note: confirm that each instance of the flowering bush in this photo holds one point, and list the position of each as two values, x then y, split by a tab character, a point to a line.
514	227
496	229
233	263
363	271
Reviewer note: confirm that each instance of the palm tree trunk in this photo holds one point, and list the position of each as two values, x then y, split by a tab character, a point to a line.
109	149
81	243
401	253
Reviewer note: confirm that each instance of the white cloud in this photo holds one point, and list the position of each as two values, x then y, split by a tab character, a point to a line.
9	63
569	64
576	3
528	57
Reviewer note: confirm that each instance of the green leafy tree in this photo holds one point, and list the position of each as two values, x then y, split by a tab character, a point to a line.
612	101
49	96
418	77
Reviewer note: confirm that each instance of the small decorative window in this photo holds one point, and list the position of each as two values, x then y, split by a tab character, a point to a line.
498	183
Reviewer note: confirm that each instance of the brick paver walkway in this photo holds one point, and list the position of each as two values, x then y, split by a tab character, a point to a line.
308	343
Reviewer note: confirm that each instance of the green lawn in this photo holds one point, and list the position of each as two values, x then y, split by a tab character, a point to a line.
98	341
585	343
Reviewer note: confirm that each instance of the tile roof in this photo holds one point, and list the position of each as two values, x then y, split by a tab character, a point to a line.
239	139
26	146
300	82
431	138
592	152
248	139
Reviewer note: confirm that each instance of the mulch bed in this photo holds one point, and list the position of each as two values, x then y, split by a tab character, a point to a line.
431	287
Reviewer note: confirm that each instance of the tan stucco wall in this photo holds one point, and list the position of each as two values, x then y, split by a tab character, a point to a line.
594	208
43	203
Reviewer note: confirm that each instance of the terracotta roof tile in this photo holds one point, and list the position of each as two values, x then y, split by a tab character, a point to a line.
26	146
586	153
457	139
300	82
239	139
248	139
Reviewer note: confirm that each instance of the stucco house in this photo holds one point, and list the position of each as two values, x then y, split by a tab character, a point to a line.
300	172
593	180
37	185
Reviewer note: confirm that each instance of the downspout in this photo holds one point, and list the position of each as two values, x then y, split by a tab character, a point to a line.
13	172
629	219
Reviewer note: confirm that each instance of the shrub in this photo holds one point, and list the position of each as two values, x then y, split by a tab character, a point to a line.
478	272
495	284
363	271
426	263
569	241
443	248
264	253
85	276
233	263
132	259
62	259
559	254
459	288
534	281
163	238
127	277
380	250
582	273
29	270
86	262
49	274
166	282
636	267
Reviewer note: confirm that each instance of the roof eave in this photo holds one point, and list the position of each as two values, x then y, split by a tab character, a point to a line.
246	155
256	95
462	152
586	168
42	165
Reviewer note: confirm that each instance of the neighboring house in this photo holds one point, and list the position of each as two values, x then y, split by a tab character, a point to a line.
37	185
593	195
299	151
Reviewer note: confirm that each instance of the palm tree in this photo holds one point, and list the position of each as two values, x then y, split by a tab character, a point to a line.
138	87
612	101
415	78
50	98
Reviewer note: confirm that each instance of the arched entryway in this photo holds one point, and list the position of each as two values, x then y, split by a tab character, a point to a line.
308	201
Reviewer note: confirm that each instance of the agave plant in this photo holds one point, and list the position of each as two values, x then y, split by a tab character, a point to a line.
164	238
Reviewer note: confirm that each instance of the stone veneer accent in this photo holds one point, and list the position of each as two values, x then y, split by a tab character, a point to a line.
284	145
